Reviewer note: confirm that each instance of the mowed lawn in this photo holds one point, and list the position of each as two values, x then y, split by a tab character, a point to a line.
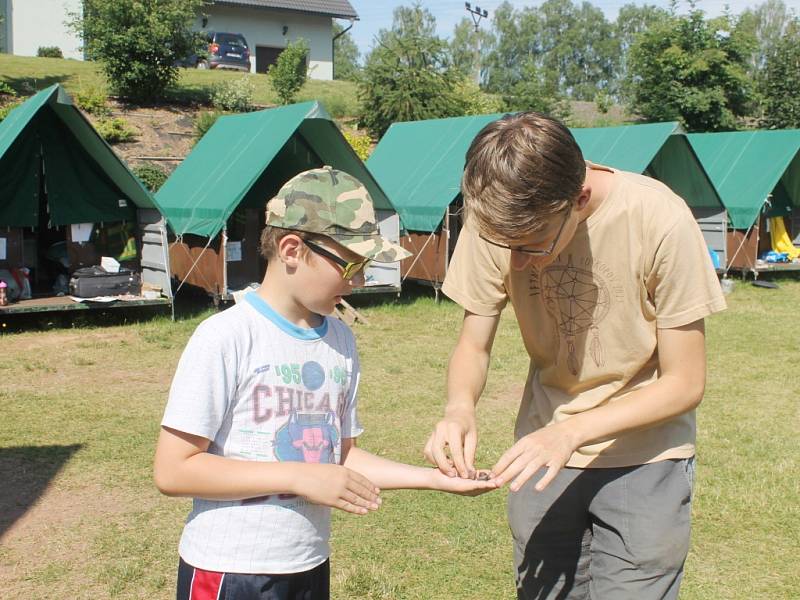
28	75
80	517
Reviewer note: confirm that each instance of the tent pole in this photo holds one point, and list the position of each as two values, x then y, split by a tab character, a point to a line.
189	272
416	258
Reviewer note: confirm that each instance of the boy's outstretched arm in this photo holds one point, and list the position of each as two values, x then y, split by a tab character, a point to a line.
388	474
183	467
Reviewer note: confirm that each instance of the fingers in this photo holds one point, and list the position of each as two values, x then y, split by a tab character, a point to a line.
440	458
360	501
346	506
552	471
470	445
500	467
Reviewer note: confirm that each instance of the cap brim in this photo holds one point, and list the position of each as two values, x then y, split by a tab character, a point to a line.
374	247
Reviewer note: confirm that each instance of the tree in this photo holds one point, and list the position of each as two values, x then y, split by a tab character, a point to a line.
633	20
693	70
463	46
138	42
781	82
290	71
345	55
768	22
570	46
408	75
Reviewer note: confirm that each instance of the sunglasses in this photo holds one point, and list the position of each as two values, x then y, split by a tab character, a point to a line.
533	251
349	269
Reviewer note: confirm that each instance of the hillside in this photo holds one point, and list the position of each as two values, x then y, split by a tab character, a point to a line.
166	130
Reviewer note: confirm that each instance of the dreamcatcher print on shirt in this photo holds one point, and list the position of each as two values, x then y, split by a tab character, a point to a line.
578	300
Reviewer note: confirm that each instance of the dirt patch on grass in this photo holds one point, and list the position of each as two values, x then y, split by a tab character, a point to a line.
47	530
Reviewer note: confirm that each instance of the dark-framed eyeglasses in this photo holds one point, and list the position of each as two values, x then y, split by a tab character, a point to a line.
349	269
534	251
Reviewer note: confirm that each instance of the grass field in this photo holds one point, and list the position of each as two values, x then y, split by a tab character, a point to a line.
27	75
80	517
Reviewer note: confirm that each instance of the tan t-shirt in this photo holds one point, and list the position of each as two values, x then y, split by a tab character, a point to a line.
589	319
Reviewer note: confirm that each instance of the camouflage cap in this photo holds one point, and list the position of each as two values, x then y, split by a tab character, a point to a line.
336	204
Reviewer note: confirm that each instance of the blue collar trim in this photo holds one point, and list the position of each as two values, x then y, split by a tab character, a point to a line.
301	333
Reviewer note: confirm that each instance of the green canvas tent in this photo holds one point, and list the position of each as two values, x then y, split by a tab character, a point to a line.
419	164
56	172
214	201
757	174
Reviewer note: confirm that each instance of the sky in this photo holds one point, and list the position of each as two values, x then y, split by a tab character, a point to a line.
377	14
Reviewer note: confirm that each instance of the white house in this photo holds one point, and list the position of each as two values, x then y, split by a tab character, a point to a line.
267	25
29	24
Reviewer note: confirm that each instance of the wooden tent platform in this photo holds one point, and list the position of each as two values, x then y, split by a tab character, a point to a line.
59	303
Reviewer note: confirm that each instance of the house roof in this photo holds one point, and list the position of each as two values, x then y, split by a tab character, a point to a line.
340	9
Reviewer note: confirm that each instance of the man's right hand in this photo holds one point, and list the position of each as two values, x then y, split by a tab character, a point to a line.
451	446
338	487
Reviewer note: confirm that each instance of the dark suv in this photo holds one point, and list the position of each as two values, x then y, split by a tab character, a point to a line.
225	51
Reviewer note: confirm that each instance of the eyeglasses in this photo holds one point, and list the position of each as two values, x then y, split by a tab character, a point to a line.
533	251
349	269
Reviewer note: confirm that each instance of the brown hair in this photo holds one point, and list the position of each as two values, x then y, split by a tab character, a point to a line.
520	169
271	237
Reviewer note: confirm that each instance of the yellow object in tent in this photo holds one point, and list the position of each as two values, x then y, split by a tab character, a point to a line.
129	251
781	242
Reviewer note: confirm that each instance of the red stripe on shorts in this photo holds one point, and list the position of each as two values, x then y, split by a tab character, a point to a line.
205	585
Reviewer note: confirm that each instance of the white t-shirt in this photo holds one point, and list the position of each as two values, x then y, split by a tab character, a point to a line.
261	388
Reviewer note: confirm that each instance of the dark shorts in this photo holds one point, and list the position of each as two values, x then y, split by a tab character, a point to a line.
197	584
616	534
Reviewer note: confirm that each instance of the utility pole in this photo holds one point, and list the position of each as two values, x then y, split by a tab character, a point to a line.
477	14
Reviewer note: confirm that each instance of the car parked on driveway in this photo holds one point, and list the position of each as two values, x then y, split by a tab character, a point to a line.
225	51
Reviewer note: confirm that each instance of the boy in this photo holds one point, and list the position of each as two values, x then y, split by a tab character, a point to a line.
261	421
610	281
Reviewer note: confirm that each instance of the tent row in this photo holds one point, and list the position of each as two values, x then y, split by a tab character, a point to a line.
66	199
740	186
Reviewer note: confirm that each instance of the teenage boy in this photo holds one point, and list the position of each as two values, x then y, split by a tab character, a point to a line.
610	281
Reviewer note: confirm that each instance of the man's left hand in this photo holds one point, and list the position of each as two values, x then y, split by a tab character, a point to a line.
548	447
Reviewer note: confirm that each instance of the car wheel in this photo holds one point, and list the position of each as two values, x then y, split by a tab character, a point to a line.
202	64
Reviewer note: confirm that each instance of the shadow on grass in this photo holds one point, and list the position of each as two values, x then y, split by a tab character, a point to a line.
25	472
27	86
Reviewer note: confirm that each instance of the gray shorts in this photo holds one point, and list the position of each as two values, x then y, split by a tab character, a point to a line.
618	534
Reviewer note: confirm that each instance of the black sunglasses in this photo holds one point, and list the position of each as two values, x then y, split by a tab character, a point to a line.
533	251
349	269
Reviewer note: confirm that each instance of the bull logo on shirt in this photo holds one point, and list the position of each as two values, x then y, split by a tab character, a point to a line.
307	437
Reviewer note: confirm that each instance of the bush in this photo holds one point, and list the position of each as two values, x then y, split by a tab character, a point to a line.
362	144
603	101
49	52
115	130
477	102
139	43
7	109
6	90
151	176
235	95
203	123
290	71
92	99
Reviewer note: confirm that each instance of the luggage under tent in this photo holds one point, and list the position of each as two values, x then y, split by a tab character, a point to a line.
214	202
419	165
66	200
757	174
